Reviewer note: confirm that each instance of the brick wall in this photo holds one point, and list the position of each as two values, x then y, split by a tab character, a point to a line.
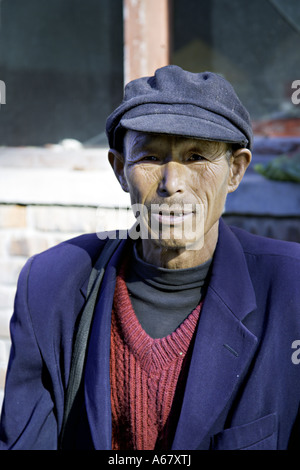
26	230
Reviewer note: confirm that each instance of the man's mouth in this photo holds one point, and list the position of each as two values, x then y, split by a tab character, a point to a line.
172	217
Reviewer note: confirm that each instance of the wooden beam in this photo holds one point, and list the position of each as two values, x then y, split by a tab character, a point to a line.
146	37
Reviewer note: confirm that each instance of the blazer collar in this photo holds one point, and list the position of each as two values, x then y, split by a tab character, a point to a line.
230	278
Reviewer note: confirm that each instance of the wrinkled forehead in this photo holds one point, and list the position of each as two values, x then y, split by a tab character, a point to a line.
135	140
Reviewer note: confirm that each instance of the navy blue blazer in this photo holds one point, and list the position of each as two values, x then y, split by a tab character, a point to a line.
243	385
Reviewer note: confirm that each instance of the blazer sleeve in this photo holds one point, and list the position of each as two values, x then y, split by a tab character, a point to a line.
28	419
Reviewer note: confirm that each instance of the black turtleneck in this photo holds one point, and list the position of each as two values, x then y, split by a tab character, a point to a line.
162	298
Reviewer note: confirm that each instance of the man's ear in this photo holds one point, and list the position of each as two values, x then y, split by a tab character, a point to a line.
239	162
116	159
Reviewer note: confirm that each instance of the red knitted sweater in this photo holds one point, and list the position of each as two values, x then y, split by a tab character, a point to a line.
144	376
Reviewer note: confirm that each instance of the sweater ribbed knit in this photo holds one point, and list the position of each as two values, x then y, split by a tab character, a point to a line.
144	375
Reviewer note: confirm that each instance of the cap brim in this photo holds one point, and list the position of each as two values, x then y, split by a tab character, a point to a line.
206	125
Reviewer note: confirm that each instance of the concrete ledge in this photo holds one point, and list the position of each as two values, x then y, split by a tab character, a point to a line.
61	187
259	196
61	156
59	175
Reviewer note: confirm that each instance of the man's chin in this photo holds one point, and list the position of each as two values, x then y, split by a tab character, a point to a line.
174	244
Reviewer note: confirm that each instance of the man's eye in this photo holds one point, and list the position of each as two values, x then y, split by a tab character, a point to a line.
195	157
149	158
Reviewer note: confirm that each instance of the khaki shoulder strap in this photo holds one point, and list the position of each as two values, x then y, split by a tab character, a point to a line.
75	384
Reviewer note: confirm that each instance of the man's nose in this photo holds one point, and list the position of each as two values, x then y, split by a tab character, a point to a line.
172	179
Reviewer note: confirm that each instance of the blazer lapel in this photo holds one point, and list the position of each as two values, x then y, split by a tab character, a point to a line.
223	346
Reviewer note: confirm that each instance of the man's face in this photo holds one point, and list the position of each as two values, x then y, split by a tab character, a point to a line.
182	182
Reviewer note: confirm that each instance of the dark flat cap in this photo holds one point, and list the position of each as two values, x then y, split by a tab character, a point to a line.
175	101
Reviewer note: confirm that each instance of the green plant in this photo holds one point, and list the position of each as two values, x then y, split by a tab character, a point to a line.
282	168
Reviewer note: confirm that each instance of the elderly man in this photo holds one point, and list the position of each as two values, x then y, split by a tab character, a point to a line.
194	325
